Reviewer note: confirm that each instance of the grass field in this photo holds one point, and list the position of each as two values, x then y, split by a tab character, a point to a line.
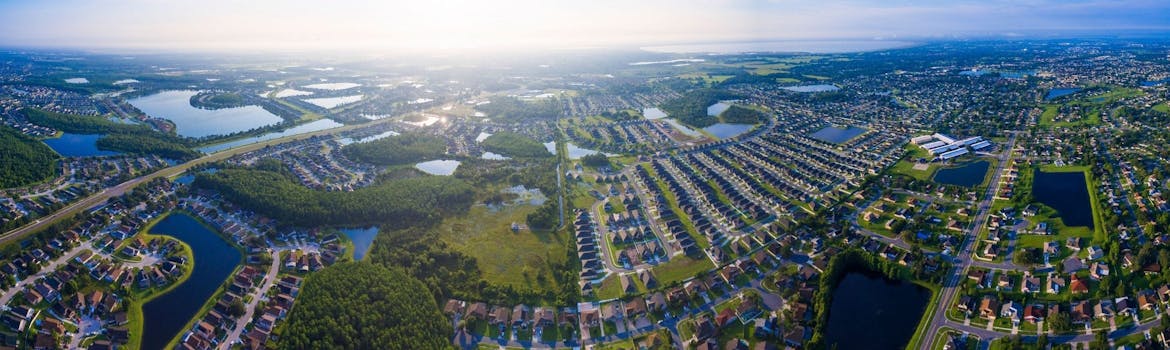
1163	107
504	256
1090	106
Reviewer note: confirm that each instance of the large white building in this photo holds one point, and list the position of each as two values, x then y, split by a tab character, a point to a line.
944	147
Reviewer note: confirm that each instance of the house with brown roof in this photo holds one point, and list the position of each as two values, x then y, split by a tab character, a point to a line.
1078	285
656	302
544	317
477	311
499	315
1080	312
454	307
521	316
988	307
611	311
635	307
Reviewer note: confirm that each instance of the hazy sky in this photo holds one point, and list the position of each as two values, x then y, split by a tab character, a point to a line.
304	24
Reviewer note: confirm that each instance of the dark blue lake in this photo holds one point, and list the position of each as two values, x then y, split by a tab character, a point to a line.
77	145
871	312
1067	193
165	316
362	239
834	134
1060	92
967	175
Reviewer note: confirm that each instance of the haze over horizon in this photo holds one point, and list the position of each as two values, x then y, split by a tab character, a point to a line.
302	24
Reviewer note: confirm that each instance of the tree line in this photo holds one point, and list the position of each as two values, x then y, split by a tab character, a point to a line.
395	203
406	148
23	159
515	145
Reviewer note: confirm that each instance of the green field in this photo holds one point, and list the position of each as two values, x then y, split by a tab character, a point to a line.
1090	107
1163	107
520	259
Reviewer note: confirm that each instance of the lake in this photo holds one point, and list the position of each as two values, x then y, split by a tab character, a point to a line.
812	88
966	175
653	113
348	140
77	145
330	102
726	131
332	86
443	167
810	46
290	93
1060	92
871	312
832	134
317	125
686	130
494	156
165	316
482	136
1067	193
189	121
578	152
362	239
718	108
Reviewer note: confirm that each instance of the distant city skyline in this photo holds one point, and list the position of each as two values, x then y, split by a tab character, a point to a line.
302	24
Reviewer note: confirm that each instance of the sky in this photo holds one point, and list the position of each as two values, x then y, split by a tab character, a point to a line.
454	24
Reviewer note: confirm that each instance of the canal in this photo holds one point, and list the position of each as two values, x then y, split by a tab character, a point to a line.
165	316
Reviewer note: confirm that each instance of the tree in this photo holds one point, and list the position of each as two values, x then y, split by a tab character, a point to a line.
365	306
237	308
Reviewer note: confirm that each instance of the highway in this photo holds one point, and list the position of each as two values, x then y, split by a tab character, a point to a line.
172	171
963	256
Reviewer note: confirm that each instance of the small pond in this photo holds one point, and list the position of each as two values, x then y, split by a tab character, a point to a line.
812	88
443	167
872	312
726	130
1067	193
653	113
966	175
832	134
77	145
1061	92
362	239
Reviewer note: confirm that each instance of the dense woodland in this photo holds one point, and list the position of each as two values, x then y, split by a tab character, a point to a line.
394	203
365	306
691	108
406	148
513	109
24	160
515	145
127	138
742	115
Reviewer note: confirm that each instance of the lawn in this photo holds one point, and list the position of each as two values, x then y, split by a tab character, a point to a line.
610	288
519	259
1162	107
681	267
